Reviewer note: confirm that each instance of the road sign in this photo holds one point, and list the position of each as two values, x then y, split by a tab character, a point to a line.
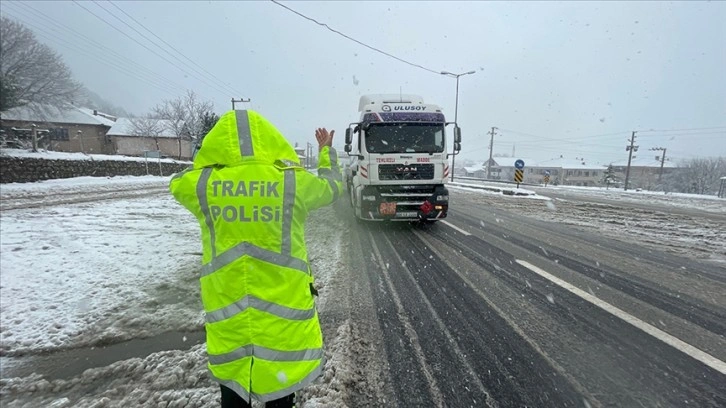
546	179
518	175
519	164
547	173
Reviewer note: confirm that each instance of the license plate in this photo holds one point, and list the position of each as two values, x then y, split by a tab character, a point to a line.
407	214
387	208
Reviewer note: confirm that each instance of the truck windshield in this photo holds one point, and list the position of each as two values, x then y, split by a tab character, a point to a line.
405	138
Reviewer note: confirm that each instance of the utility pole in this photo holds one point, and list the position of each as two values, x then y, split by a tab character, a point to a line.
491	151
662	161
239	101
632	148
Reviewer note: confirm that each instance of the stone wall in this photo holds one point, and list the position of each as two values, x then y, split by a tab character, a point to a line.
25	169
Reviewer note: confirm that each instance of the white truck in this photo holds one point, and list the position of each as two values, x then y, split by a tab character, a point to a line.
399	162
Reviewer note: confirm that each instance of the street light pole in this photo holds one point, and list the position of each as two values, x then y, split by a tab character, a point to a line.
456	110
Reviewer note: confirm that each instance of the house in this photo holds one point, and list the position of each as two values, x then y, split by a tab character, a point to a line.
477	171
135	136
561	171
645	172
502	168
568	172
72	129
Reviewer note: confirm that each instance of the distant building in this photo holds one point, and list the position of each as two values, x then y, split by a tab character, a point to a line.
134	136
73	129
645	172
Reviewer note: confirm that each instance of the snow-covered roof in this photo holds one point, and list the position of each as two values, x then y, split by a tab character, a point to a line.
509	161
645	159
46	113
125	127
108	119
565	163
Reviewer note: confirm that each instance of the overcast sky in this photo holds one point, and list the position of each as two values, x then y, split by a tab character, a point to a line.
571	79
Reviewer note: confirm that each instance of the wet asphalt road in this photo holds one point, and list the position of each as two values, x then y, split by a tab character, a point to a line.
460	317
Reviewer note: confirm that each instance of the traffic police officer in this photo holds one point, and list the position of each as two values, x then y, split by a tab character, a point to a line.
251	198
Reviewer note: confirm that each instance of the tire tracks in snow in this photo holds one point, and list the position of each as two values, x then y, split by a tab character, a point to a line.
462	348
631	365
22	202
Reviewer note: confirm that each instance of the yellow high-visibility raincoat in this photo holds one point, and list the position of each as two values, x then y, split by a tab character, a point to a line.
251	197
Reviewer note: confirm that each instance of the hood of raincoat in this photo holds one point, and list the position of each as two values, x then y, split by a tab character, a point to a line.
243	136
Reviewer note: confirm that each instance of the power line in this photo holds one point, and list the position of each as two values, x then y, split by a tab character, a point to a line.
356	41
163	49
71	46
148	76
201	76
722	132
683	130
594	145
172	47
564	139
138	42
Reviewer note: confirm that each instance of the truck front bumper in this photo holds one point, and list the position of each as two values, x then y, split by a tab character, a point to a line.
404	203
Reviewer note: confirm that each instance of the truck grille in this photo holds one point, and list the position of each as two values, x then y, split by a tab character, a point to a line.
414	171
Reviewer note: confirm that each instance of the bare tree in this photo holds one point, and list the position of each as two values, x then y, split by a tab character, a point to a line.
147	126
31	73
697	176
187	116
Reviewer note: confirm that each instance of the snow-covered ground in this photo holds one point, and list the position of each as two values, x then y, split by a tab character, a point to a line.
88	273
53	155
695	201
692	201
687	224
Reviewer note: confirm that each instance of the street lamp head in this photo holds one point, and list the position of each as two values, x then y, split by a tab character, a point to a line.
446	73
470	72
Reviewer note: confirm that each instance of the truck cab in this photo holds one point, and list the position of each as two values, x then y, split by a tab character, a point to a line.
398	161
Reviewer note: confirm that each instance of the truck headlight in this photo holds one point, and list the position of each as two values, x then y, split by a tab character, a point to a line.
442	197
369	198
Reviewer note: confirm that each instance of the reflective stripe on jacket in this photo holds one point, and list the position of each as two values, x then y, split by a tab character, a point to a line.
251	198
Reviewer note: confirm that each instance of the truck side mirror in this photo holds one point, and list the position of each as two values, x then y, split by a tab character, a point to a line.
348	148
457	146
348	137
457	134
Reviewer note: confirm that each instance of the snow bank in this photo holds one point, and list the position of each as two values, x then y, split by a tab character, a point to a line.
53	155
98	272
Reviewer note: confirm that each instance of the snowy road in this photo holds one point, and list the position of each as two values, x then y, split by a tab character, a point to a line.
512	301
494	308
